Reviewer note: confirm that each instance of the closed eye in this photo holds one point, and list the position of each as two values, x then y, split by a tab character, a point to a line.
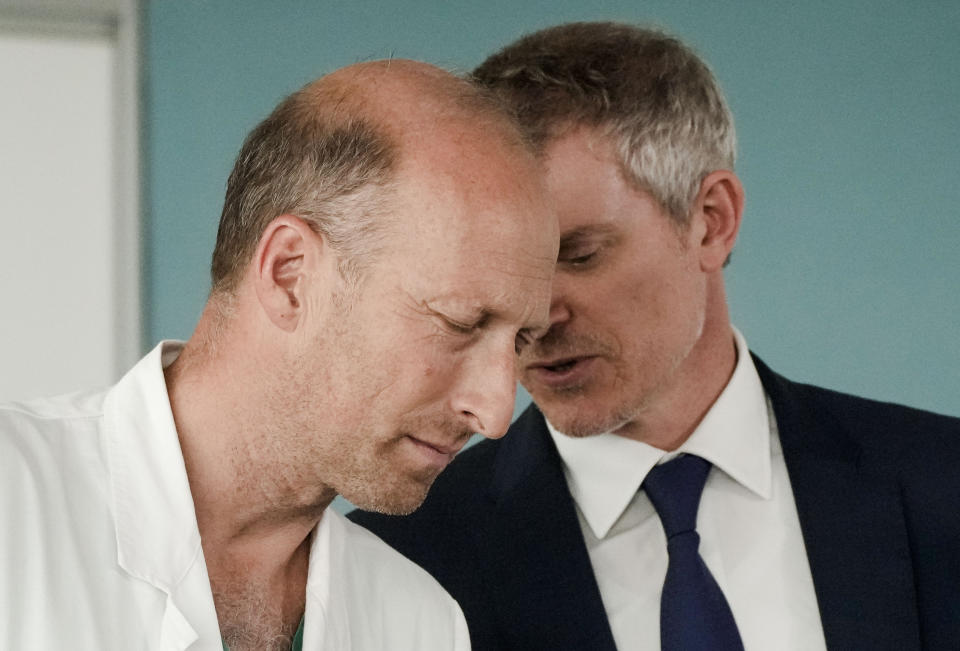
459	328
580	259
586	246
462	328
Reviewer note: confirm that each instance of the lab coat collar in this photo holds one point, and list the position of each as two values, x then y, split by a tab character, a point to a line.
158	540
326	620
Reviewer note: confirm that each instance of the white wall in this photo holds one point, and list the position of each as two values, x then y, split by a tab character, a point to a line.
68	218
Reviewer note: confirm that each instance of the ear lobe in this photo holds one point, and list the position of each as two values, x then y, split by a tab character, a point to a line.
720	207
279	265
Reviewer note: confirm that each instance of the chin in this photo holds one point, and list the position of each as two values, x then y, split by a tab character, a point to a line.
584	422
580	429
396	499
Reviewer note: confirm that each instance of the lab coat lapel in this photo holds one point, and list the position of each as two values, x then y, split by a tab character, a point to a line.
326	620
176	633
158	540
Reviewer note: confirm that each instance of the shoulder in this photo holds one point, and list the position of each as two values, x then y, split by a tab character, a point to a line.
919	445
862	417
54	497
41	439
44	413
860	411
388	600
387	576
388	567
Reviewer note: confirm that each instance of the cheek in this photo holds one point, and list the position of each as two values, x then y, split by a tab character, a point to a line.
415	378
664	289
431	376
601	296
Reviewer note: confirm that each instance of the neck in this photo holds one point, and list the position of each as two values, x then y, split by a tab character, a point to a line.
254	509
698	380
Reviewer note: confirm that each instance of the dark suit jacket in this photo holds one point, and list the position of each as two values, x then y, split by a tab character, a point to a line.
877	488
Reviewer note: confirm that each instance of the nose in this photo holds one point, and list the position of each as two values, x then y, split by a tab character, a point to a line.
559	306
559	312
484	397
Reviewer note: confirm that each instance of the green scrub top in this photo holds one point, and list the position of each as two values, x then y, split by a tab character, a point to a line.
297	644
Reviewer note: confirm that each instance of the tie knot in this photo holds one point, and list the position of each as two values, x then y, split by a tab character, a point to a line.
675	488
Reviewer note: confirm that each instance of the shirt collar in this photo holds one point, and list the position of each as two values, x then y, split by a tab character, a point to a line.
605	471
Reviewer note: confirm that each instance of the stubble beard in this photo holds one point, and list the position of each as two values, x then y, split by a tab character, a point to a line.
584	420
556	344
384	482
579	424
386	488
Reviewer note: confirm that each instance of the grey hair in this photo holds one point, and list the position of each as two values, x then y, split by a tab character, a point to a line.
313	160
649	93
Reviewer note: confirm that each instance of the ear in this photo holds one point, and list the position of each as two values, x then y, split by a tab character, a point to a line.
719	207
280	264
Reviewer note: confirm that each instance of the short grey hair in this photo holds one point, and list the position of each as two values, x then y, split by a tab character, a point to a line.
649	93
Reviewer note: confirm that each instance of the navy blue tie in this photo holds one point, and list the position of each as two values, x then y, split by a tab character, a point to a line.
694	615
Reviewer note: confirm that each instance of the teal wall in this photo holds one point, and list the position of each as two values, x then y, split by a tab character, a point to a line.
846	273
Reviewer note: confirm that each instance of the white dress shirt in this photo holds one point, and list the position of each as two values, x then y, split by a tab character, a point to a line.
100	550
747	521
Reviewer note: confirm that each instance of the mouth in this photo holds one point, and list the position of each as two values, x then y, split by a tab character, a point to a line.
435	454
562	372
560	366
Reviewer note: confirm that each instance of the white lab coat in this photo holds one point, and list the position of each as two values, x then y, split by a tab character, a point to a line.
99	546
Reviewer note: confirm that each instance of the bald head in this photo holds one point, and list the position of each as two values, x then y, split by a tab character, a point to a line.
408	98
329	154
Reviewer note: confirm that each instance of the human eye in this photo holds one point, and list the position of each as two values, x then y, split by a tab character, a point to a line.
457	327
581	259
463	326
579	256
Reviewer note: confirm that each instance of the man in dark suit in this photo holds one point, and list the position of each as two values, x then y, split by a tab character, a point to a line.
817	520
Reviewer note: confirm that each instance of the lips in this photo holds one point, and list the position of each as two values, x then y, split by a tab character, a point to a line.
560	365
436	454
439	447
562	372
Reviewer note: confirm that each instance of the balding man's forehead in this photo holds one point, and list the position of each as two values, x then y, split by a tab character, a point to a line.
393	87
412	100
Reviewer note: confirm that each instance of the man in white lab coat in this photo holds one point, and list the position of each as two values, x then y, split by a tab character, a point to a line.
383	250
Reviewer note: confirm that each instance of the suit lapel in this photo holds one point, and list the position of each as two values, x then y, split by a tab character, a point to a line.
547	594
853	525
